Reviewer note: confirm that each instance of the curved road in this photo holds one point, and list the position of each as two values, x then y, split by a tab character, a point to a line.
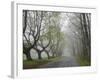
63	62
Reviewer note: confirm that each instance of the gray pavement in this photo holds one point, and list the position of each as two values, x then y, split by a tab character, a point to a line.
63	62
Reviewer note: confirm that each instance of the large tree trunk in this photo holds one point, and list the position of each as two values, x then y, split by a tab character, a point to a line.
39	54
47	53
28	55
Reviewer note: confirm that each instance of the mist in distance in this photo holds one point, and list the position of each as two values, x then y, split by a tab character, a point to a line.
49	34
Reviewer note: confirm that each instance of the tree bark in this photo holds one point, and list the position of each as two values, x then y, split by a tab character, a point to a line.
27	53
39	54
47	53
28	56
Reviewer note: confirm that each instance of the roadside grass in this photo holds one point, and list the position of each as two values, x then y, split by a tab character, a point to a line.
35	63
84	61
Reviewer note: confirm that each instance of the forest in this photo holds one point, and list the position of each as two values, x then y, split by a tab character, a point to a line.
56	39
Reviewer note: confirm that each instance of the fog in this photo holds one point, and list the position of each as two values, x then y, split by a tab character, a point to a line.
68	40
56	34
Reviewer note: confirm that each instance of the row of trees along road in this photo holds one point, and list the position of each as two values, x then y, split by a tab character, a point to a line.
41	32
80	33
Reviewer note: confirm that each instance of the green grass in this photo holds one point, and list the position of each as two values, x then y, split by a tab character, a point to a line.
36	63
83	61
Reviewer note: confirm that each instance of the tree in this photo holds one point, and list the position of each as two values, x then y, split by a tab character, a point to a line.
79	25
31	31
41	32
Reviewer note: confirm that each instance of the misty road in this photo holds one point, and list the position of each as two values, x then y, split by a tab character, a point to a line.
63	62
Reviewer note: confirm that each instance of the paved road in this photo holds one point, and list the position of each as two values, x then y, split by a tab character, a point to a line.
63	62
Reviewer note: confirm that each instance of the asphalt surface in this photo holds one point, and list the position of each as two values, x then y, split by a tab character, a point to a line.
63	62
